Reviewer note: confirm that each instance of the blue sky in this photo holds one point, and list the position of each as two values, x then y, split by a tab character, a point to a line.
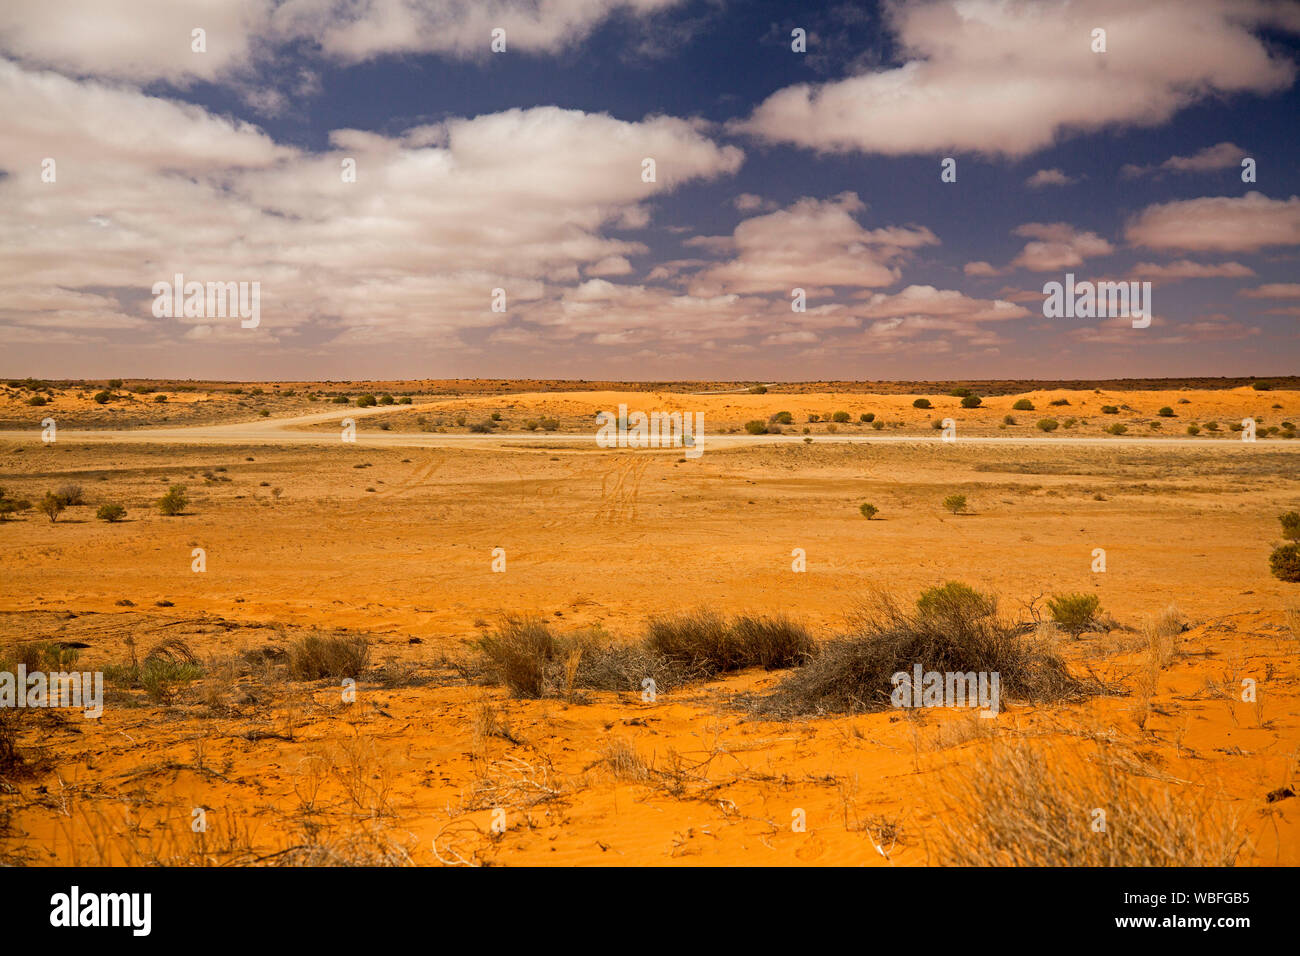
521	171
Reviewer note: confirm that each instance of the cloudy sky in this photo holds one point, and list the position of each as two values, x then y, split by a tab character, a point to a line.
523	170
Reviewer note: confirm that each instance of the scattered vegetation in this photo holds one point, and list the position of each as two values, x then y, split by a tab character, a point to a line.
869	511
955	503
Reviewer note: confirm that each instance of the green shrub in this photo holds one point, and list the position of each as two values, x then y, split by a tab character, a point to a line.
1008	420
1193	429
102	398
1166	412
1290	525
840	417
971	401
387	400
1117	429
955	503
366	401
1059	401
1048	424
160	398
783	418
404	400
110	513
869	511
1284	562
1110	409
173	503
955	601
1075	613
922	403
756	427
1023	405
877	424
114	383
38	400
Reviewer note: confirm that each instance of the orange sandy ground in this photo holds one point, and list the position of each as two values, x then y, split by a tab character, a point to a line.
402	549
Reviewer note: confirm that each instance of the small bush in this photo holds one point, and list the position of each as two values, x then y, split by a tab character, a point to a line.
101	398
1284	562
1023	405
955	601
1008	420
159	398
1110	409
1059	402
955	503
771	642
1075	613
1117	429
110	513
366	401
971	401
1193	429
756	427
878	425
840	417
867	417
315	657
922	403
1048	424
1290	525
854	673
387	400
38	400
51	506
71	495
1166	412
699	639
869	511
173	503
783	418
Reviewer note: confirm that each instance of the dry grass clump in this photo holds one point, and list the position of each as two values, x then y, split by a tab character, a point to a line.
853	673
533	661
525	655
315	656
706	642
1025	806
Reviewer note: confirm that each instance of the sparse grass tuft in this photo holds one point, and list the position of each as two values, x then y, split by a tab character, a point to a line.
316	657
1024	806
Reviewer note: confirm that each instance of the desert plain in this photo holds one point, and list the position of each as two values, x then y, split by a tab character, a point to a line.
463	506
